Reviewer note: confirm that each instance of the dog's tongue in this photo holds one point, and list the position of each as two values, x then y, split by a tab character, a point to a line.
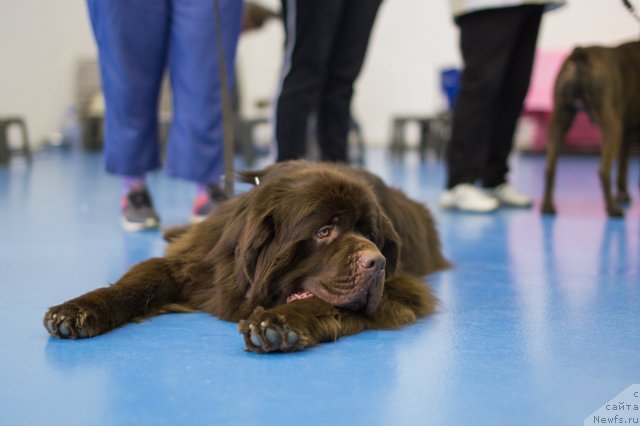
299	296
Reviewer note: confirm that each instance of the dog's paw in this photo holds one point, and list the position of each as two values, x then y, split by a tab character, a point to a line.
71	321
268	332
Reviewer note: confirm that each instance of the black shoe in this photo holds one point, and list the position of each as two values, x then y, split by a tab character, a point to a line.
138	212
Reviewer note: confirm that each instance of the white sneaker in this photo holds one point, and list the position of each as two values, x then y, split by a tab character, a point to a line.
508	195
467	197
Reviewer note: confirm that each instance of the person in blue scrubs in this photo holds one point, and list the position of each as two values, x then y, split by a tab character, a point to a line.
137	40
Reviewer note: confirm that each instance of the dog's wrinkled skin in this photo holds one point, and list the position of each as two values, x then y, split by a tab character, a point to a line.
606	83
352	246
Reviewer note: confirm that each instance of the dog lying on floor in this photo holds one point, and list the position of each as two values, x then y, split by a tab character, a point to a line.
605	81
312	253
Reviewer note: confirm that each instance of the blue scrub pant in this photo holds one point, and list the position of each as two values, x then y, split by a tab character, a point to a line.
137	40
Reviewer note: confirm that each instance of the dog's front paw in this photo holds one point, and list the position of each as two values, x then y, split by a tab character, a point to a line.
71	321
268	332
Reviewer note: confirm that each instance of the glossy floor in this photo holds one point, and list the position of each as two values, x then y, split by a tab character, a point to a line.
539	321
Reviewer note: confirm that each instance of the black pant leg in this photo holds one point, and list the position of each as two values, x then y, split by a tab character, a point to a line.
487	39
345	63
511	99
310	28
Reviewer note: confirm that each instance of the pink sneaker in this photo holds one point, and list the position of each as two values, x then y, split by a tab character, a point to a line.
207	201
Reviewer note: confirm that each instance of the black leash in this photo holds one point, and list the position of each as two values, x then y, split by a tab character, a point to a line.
228	119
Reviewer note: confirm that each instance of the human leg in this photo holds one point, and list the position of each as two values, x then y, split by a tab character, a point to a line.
347	56
196	143
195	151
511	98
310	29
486	40
131	65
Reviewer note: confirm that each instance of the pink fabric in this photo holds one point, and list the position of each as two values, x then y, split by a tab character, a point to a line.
583	135
543	76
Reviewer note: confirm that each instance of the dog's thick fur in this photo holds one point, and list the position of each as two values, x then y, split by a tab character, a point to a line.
350	247
605	81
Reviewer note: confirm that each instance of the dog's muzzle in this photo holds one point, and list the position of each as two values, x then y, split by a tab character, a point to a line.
369	282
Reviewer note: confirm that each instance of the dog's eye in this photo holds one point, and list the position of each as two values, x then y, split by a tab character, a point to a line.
324	231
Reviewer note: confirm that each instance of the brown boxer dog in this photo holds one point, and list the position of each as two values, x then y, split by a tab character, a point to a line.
605	82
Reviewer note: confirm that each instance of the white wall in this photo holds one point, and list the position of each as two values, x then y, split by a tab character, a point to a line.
412	39
39	44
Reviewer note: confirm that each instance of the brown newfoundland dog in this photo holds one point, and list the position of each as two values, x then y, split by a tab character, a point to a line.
312	253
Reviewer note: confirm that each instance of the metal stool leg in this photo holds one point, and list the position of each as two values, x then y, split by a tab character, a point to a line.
4	145
5	149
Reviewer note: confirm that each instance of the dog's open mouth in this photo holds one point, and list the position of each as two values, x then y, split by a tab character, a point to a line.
299	295
364	295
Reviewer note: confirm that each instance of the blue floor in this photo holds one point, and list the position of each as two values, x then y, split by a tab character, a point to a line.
539	321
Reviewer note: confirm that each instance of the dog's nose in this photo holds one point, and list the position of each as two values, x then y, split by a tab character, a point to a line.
371	260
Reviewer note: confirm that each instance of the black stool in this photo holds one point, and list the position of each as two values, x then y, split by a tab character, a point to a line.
398	143
434	134
5	149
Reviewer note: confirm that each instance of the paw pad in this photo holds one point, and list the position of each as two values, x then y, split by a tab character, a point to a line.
270	334
67	322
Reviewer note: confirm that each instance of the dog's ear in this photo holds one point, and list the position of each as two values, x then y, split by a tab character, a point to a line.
255	236
261	256
390	243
